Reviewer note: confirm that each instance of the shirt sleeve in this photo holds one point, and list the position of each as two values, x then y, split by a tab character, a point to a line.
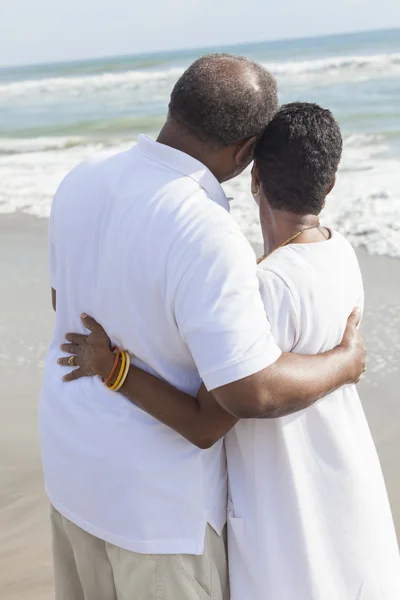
280	306
220	314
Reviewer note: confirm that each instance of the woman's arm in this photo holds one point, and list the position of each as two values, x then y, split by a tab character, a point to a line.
200	420
204	422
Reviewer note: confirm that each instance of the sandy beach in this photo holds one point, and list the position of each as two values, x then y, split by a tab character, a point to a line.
25	326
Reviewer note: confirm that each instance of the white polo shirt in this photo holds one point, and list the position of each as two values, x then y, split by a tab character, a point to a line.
143	241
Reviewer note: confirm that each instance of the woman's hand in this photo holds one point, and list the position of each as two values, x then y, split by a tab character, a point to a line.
91	353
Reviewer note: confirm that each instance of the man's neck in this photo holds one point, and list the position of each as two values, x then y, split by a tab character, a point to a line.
278	226
177	137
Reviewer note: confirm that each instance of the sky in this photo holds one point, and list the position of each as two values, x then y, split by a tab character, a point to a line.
41	31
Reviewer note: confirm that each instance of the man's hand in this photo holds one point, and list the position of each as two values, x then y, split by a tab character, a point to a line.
91	353
353	345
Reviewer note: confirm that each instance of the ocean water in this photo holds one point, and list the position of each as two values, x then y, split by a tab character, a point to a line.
53	116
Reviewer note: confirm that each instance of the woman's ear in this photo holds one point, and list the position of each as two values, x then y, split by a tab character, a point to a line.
331	186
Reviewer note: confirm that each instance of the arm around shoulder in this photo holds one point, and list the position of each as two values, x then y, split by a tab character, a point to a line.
296	381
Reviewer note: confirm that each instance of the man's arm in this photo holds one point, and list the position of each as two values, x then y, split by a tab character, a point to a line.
295	381
310	376
221	317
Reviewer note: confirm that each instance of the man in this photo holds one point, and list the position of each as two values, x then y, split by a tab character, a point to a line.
144	242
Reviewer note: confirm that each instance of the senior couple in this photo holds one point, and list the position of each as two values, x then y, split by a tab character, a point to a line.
188	343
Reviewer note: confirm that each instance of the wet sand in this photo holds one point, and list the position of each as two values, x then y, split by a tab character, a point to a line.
26	321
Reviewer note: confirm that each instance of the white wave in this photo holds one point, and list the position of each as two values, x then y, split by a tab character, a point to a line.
362	151
360	140
29	180
374	64
25	145
82	84
362	66
365	204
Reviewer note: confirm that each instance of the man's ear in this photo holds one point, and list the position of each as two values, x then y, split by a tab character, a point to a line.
245	152
255	179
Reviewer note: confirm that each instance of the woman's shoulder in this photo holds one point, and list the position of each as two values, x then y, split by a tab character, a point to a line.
298	260
310	270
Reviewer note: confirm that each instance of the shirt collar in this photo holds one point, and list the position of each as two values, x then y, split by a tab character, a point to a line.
184	164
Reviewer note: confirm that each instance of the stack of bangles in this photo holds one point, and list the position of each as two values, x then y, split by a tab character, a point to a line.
119	372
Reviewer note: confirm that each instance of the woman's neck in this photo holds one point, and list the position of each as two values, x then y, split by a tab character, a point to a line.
278	226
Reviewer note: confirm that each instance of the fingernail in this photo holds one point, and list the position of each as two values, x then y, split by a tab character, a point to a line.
64	378
59	361
83	315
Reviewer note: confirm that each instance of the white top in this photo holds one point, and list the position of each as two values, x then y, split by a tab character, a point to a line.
309	516
143	242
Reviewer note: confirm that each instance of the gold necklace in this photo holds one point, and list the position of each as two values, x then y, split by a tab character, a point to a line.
291	239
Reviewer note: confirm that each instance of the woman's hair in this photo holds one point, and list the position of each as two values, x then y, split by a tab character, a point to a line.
298	156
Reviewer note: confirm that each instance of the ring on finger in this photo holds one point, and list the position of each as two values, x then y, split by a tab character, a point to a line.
71	361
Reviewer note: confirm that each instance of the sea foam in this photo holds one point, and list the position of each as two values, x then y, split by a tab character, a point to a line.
365	204
365	67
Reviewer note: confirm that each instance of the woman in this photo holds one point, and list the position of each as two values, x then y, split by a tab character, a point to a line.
309	517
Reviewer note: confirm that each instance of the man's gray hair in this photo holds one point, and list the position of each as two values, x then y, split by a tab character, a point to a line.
222	99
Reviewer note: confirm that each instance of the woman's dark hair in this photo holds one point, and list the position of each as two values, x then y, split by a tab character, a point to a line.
298	156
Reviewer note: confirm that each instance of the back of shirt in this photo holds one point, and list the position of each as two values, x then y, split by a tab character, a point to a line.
143	242
309	487
309	291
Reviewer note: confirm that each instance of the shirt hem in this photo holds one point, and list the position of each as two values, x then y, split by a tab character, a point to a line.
171	546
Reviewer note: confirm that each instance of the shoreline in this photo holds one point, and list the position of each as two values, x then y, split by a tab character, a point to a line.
26	321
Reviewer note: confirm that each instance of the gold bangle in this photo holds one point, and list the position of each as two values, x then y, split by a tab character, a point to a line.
114	387
107	382
125	375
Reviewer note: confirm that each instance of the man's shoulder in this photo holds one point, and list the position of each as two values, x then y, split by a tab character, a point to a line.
211	223
90	178
191	217
94	166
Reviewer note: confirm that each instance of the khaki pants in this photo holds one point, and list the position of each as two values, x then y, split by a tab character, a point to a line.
87	568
